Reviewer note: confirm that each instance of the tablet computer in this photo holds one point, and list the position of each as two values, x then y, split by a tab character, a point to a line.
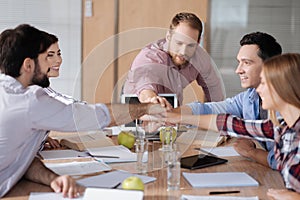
200	161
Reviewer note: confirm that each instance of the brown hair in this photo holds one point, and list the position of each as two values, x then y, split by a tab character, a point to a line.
284	70
191	19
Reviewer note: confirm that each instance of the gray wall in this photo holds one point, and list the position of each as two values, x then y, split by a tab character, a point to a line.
231	19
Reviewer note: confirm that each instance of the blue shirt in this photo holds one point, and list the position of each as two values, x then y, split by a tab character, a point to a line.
244	105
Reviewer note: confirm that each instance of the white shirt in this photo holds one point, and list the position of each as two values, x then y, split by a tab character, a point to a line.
25	116
61	97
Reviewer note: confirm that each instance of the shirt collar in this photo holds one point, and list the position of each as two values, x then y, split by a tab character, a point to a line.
11	84
253	95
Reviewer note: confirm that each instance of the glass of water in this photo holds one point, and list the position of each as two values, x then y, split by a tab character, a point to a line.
173	174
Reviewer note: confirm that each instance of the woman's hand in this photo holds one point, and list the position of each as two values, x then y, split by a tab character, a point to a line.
283	194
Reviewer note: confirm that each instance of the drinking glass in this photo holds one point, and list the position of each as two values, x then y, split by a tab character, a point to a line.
168	135
141	150
173	173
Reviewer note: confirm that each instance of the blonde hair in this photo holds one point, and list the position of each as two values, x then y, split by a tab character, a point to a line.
282	73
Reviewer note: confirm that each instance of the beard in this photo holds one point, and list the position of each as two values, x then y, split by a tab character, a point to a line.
39	78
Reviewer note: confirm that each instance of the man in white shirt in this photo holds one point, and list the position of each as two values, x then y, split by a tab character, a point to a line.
27	112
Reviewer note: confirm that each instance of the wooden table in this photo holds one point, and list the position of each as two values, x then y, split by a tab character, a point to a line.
266	177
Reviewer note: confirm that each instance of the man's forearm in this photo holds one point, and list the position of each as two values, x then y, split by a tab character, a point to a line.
124	113
37	172
184	110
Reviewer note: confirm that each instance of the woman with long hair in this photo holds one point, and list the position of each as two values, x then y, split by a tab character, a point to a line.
280	92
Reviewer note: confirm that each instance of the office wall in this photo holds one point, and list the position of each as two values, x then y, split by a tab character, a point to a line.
280	18
114	35
60	17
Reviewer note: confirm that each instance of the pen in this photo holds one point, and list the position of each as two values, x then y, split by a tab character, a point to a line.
224	192
101	156
206	152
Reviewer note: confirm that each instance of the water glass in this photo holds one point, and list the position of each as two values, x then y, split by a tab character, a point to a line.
173	174
141	149
139	130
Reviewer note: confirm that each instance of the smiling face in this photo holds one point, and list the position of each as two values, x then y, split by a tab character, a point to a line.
55	60
182	43
270	98
250	66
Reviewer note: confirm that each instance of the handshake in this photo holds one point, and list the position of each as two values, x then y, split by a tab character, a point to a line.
153	121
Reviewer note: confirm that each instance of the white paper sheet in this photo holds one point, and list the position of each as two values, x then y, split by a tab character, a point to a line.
78	168
112	194
62	154
220	179
124	154
222	151
191	197
111	179
49	196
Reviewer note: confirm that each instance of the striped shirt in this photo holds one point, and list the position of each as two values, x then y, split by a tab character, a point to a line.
66	99
287	142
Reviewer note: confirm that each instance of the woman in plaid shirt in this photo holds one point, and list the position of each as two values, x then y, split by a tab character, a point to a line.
280	91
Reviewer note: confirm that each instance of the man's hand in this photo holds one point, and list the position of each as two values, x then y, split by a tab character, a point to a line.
163	118
67	186
283	194
51	143
149	96
37	172
160	100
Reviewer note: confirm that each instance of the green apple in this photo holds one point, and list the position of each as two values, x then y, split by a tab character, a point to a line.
126	139
167	132
133	183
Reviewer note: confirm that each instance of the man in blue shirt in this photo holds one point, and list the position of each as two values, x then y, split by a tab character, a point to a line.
255	48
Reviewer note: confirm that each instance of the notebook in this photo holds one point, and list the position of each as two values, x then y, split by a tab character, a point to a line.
112	194
220	179
112	179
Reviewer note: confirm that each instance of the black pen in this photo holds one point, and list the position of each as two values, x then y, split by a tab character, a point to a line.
224	192
101	156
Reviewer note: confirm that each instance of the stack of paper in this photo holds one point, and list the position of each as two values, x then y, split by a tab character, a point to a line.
191	197
49	196
222	151
62	154
83	141
110	194
220	179
78	168
111	179
122	153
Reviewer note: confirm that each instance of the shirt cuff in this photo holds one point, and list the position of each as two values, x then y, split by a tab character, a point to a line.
105	118
222	121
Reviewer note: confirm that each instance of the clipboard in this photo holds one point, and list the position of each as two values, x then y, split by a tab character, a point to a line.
200	161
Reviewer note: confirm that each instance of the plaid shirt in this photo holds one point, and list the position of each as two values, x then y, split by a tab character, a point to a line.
287	142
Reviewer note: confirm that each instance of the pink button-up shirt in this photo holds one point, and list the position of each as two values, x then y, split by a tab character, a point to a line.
153	69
